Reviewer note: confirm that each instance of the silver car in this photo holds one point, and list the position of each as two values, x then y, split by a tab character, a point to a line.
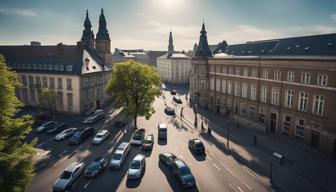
101	136
65	134
69	175
137	167
46	126
120	155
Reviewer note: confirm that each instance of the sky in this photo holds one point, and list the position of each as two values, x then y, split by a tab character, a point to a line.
146	24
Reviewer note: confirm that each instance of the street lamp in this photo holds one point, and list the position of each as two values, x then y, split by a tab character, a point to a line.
228	110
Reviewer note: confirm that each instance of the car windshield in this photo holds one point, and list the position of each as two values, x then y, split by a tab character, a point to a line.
198	145
116	156
148	141
65	175
47	124
184	171
77	134
135	165
93	166
99	136
137	137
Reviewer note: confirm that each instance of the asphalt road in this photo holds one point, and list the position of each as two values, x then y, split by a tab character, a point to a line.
217	171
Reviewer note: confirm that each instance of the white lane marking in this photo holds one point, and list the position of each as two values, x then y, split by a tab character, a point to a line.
209	158
181	156
249	172
43	153
87	184
60	161
236	176
216	166
239	189
231	185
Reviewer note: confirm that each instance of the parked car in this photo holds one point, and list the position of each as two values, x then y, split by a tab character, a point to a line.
46	126
169	111
138	137
81	135
167	158
137	167
197	146
183	174
58	127
119	123
162	131
93	118
97	111
177	99
120	155
173	92
148	142
96	167
69	175
65	133
101	136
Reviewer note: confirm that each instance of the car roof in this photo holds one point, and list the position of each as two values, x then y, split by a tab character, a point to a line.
102	132
139	157
150	136
123	145
162	125
72	166
179	163
197	141
118	151
168	154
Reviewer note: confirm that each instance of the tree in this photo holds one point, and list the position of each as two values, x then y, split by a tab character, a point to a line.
134	86
47	99
16	164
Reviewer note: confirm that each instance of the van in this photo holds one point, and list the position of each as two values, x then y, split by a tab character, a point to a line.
162	131
120	155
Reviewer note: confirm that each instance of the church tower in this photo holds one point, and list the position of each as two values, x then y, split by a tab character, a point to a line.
87	37
103	42
170	45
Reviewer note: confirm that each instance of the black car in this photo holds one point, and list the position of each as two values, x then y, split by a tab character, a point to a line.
169	111
197	146
173	92
119	123
57	128
96	167
183	174
81	135
177	99
167	158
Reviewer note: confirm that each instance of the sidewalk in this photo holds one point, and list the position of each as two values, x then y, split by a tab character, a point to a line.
304	168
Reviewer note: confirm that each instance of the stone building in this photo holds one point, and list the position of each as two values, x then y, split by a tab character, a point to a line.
282	86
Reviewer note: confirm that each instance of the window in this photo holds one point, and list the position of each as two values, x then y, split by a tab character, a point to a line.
303	102
50	67
52	82
224	69
60	83
229	88
24	80
70	101
245	72
195	84
69	84
305	77
56	67
275	96
253	91
254	73
38	81
243	108
218	85
237	70
322	80
286	124
237	89
61	67
244	90
223	86
253	111
202	70
277	75
299	131
263	95
202	85
29	66
318	104
231	70
265	74
44	82
290	76
212	84
289	98
212	68
31	81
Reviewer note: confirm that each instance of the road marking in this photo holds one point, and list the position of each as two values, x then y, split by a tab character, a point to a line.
214	164
181	156
43	153
231	185
61	160
236	176
209	158
249	172
239	189
87	184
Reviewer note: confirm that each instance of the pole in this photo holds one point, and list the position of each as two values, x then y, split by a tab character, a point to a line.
271	176
228	136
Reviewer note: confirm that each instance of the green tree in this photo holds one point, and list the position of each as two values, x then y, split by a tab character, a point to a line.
47	99
16	164
134	86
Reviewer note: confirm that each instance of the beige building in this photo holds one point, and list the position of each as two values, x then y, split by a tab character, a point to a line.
282	86
78	74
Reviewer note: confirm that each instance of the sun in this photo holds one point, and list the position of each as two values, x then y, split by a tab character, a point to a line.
169	3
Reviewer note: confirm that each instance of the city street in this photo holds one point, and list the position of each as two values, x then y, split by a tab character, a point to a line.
217	171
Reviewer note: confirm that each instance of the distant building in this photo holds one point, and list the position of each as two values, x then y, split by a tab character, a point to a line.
146	57
174	67
78	74
282	86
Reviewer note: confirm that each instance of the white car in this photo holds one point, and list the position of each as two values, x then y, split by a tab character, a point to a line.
93	118
69	175
138	137
100	136
120	155
46	126
137	167
65	133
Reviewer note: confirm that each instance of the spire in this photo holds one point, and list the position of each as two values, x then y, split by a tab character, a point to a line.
87	36
102	30
203	49
170	45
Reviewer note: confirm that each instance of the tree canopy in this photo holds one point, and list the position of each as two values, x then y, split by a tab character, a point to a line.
16	165
47	99
134	86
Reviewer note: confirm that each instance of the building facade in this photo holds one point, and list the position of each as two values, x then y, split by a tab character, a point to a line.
174	67
77	74
284	86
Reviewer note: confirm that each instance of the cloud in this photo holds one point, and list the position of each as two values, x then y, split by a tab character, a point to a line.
333	16
20	12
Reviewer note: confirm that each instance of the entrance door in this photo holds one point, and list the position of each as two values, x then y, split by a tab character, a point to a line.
315	139
97	104
273	122
217	109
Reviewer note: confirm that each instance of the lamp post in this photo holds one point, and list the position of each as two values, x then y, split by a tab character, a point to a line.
228	110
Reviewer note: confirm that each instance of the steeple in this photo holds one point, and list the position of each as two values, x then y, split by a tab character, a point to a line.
203	49
170	45
102	30
87	37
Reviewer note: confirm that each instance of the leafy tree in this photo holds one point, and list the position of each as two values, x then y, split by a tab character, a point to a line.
134	87
16	165
47	99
